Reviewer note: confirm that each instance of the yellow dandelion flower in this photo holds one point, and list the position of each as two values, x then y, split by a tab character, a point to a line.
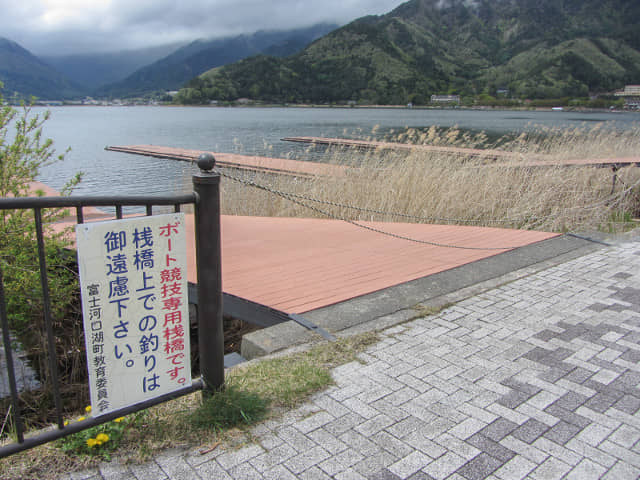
91	442
118	420
82	418
102	437
87	408
66	422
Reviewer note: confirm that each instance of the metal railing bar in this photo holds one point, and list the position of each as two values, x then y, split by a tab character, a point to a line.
119	212
17	418
79	215
48	321
176	208
149	210
76	427
98	201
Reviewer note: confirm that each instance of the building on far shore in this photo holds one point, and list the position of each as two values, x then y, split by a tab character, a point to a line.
631	96
445	98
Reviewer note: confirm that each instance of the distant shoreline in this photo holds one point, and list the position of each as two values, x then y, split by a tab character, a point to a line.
361	107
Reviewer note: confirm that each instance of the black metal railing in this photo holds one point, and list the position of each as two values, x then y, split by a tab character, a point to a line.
206	200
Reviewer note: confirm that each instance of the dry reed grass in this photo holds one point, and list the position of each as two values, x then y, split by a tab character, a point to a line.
435	187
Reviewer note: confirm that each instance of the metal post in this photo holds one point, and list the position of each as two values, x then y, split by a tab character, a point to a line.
206	184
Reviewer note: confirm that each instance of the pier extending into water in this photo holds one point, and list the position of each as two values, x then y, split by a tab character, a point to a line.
280	166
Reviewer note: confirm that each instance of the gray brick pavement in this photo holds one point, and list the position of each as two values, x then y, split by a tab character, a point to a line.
537	379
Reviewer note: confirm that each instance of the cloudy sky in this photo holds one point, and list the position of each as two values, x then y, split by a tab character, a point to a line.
72	26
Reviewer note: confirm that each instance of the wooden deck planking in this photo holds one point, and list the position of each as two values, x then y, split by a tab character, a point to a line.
281	166
296	265
335	261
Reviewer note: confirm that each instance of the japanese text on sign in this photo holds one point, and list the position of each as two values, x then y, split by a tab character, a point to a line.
133	280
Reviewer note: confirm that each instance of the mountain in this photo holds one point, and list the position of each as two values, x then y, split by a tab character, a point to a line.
24	74
93	70
532	48
173	71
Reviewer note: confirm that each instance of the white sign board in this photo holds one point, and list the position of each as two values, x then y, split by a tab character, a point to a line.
133	279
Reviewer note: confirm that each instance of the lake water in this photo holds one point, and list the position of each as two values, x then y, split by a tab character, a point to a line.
87	130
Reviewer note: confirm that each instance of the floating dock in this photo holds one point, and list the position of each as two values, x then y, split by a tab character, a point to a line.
280	166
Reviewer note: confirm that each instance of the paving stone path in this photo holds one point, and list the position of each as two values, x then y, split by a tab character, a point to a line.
536	379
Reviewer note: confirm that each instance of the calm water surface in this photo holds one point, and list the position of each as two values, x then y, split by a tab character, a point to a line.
87	130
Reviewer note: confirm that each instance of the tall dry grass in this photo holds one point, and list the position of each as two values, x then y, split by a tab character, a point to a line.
435	187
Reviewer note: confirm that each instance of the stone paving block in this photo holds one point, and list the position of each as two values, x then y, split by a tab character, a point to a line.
477	413
313	422
116	471
373	464
410	464
405	427
306	460
515	469
391	444
418	441
629	404
147	471
327	441
349	474
245	471
457	446
507	413
625	436
622	471
586	470
480	467
598	418
314	473
592	453
562	432
212	470
620	453
344	423
551	469
530	431
232	458
539	415
444	466
360	443
273	457
498	429
490	447
384	475
360	408
531	453
557	451
467	428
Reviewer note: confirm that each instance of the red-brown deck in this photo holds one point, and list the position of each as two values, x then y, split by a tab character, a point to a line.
281	166
296	265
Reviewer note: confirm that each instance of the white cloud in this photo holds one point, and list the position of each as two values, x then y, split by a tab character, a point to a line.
64	26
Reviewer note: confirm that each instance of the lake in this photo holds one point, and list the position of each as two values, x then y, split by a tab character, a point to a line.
87	130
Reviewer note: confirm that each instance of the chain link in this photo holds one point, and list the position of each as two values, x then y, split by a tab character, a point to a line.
297	199
292	198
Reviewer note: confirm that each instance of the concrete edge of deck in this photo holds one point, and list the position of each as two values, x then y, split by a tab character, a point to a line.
394	305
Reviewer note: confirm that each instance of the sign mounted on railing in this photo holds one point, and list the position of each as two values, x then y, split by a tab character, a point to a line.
133	279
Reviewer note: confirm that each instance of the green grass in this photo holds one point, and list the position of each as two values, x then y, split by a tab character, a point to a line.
253	392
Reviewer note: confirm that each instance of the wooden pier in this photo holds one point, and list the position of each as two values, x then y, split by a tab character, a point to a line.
280	166
507	159
374	145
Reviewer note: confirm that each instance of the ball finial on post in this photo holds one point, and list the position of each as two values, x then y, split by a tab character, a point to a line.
206	161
